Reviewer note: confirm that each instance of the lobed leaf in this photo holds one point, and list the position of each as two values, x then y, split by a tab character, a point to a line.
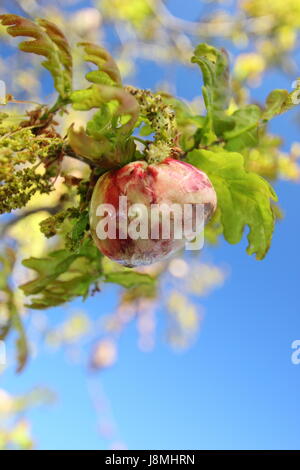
216	90
280	101
87	146
129	279
108	72
107	138
245	131
215	69
96	96
63	275
49	42
244	199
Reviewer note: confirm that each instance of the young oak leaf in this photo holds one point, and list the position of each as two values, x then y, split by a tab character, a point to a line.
63	49
107	137
215	69
96	96
108	72
86	146
49	42
245	131
244	199
280	101
63	275
216	90
105	153
129	279
126	277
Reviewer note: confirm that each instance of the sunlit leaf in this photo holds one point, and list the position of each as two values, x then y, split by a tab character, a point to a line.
280	101
216	90
98	95
129	279
108	72
49	42
244	198
245	131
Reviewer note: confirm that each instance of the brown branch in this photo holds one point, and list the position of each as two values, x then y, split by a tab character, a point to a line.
69	152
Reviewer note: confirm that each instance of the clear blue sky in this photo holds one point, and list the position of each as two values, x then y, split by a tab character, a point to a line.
236	388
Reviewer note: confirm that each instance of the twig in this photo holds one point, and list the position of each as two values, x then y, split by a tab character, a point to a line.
52	210
69	152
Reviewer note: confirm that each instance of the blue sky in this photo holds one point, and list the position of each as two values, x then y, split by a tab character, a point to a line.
236	387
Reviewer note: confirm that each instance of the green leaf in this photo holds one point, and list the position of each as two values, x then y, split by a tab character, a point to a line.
107	153
245	131
80	226
63	275
280	101
214	65
98	95
223	123
49	269
63	52
216	91
108	72
75	238
146	130
129	279
208	135
88	147
49	42
101	123
244	199
108	135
